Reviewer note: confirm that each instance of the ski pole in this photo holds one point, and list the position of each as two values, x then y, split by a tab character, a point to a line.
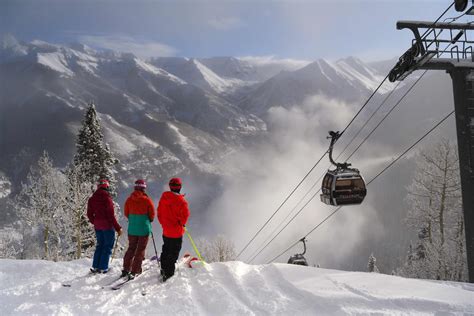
115	248
154	246
193	244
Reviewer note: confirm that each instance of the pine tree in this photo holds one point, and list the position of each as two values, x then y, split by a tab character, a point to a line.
93	152
371	266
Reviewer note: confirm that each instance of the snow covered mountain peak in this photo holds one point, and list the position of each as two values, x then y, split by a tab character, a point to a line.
350	70
55	61
194	71
82	48
355	70
346	79
157	71
43	46
67	60
217	83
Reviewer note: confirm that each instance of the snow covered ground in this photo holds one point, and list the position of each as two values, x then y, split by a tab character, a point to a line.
232	288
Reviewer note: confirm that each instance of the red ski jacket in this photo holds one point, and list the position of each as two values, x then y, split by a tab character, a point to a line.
100	211
173	213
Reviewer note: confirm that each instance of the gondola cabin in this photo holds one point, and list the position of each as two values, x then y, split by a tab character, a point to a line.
343	187
298	259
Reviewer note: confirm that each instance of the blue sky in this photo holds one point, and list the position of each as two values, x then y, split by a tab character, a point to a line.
284	29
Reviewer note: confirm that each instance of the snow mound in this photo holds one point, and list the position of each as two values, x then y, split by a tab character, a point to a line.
232	288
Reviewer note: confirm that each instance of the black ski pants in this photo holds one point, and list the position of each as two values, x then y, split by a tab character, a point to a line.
169	255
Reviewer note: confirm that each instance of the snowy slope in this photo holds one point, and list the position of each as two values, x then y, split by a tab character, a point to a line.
251	69
355	71
232	288
198	74
225	75
217	83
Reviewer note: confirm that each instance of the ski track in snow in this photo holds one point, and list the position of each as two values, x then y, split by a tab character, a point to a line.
231	288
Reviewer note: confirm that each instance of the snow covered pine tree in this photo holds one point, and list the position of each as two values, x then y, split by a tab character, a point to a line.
93	161
93	152
371	266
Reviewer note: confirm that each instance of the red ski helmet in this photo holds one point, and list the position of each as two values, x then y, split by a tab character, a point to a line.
103	184
140	184
175	183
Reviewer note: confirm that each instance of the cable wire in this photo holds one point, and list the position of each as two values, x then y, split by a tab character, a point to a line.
309	172
281	205
319	179
386	115
373	130
373	179
363	106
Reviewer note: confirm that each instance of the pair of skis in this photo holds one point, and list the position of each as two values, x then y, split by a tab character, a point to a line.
71	282
122	281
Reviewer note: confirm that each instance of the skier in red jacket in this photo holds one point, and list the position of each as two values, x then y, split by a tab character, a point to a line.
173	213
100	211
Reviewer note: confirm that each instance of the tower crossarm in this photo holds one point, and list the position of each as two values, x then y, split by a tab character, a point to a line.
442	46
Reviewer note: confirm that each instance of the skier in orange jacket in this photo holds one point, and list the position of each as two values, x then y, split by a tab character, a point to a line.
140	212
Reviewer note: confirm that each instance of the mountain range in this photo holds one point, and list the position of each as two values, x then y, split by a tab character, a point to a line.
172	113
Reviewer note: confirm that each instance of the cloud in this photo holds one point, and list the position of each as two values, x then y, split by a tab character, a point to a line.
225	23
262	176
143	49
290	64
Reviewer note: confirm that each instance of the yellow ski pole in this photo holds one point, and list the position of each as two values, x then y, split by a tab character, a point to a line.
193	244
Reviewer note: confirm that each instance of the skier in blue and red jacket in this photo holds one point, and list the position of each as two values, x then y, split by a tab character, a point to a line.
173	213
100	211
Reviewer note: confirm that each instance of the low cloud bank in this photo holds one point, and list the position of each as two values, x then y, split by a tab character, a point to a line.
262	176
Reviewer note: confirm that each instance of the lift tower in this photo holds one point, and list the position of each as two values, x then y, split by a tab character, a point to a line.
446	46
